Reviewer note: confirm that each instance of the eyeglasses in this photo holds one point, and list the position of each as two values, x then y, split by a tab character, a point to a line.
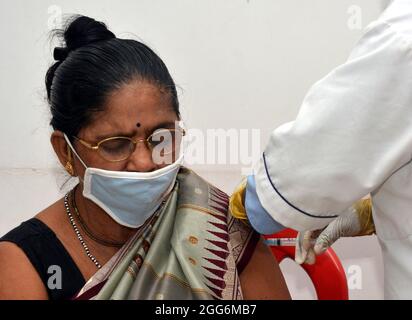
162	143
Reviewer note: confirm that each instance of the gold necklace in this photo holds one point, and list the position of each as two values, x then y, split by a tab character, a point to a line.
87	230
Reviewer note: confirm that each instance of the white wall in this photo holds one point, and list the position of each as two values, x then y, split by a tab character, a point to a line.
239	63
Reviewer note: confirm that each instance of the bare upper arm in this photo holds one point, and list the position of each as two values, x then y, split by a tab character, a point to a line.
262	278
18	278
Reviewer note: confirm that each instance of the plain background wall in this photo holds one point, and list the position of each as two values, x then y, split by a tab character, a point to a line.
239	64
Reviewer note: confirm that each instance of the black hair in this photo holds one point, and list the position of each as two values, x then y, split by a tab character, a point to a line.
90	65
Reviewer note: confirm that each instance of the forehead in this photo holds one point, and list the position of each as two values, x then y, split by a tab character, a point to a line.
135	102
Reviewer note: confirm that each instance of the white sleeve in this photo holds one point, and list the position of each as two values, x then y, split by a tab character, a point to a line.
352	132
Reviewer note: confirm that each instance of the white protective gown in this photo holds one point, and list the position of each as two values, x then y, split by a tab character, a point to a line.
352	137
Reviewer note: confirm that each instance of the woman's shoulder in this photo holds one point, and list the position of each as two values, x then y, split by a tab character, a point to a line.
18	277
26	231
28	251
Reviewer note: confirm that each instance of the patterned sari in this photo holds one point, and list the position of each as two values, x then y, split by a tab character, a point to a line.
191	248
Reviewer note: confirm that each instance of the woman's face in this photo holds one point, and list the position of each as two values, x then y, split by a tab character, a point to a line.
135	110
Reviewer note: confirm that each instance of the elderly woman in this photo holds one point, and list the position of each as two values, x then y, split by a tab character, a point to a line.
138	225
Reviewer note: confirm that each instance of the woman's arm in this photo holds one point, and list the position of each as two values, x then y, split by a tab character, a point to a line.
262	278
18	278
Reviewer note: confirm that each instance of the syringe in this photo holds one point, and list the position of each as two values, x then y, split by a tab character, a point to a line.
283	242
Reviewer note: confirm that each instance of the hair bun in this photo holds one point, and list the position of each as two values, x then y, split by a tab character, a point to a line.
81	31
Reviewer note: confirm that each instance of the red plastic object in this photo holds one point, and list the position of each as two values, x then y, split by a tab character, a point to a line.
327	274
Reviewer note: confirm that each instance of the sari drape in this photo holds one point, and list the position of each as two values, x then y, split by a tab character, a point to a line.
191	248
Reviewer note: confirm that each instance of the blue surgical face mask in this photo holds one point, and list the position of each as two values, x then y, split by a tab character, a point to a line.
129	198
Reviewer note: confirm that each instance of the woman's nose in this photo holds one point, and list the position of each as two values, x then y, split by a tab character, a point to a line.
141	159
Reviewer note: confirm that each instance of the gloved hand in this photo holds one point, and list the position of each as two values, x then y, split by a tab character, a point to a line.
357	221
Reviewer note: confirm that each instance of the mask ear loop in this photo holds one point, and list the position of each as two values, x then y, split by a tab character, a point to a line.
74	151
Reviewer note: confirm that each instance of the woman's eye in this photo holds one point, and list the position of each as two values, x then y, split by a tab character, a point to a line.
115	145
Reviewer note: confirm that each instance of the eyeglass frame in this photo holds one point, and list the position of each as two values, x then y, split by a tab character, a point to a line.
95	147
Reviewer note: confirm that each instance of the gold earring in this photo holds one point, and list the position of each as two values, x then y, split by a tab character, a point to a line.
69	166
